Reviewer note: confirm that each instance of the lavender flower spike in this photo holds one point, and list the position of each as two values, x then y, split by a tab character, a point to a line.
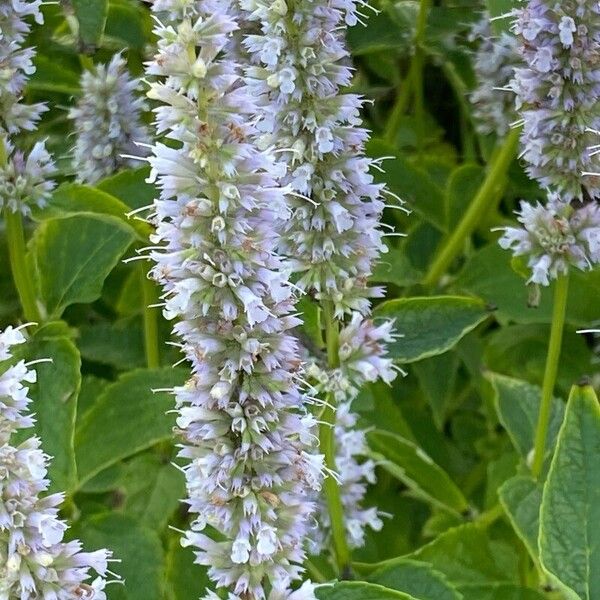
248	444
557	93
107	121
24	179
35	564
555	237
495	61
333	236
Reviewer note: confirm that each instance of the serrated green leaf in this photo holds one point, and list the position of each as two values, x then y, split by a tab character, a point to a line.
518	404
430	325
54	403
91	15
358	590
521	498
499	591
467	556
569	538
138	550
127	418
153	489
409	463
74	255
416	578
130	186
76	198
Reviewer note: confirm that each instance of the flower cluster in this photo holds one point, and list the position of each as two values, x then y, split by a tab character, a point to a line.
362	358
333	235
23	179
555	237
299	70
557	92
107	121
249	446
35	562
17	65
493	100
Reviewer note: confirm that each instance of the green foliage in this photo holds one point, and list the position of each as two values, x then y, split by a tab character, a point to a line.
74	255
452	440
432	325
569	534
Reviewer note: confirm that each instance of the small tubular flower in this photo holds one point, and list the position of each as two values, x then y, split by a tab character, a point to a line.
248	444
24	179
35	562
107	120
333	235
557	93
363	358
495	61
555	237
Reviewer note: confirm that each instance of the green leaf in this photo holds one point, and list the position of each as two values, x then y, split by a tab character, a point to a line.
569	534
518	405
466	556
358	590
127	418
412	183
395	267
74	256
130	186
521	498
55	402
488	275
119	344
437	377
91	15
153	489
499	591
51	76
380	33
416	578
138	550
75	198
185	579
432	325
416	470
128	23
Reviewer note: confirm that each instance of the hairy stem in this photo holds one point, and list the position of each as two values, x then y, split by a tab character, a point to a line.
22	277
151	343
485	200
327	445
559	310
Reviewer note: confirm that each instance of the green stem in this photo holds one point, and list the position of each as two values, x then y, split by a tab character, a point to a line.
488	195
150	320
327	445
418	80
561	293
22	277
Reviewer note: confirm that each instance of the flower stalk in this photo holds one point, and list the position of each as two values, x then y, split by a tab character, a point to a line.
17	252
486	199
150	316
561	293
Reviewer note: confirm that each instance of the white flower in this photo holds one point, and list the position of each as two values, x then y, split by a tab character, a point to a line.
33	555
